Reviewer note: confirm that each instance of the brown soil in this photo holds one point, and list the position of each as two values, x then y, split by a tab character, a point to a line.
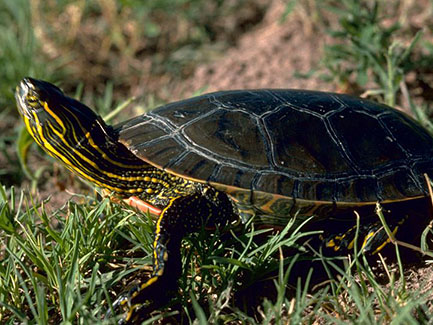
266	57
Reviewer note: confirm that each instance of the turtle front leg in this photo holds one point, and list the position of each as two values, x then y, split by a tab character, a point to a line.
184	214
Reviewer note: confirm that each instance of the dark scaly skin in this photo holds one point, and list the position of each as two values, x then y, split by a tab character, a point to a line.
181	216
70	132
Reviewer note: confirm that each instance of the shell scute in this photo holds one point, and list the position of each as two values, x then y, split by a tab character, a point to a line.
231	134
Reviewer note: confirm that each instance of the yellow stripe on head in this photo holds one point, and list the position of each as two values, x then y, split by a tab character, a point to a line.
55	116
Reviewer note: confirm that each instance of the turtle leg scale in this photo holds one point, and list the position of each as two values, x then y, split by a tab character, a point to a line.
184	214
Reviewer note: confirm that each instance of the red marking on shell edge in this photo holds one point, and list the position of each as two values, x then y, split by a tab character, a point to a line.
141	205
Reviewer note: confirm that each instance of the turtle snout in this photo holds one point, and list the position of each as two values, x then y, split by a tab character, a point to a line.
25	87
26	96
20	96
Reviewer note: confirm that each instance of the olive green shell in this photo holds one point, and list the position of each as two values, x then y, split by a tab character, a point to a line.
285	151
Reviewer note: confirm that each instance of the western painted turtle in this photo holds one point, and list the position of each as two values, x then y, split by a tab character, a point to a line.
267	154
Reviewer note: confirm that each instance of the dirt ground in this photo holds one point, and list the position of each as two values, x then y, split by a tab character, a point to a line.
266	57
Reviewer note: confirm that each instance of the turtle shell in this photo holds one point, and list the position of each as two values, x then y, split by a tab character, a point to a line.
285	149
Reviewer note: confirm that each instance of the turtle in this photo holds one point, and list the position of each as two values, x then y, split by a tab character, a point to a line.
268	154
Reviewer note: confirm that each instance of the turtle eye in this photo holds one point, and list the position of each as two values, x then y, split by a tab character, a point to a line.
33	101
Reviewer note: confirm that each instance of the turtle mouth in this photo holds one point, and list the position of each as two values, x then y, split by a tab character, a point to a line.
26	97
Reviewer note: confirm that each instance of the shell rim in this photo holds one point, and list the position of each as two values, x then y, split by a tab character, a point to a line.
337	203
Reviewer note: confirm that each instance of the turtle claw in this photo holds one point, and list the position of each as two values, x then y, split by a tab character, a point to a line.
130	314
117	304
141	301
152	295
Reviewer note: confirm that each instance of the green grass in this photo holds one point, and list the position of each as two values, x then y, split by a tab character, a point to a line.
368	51
66	273
20	53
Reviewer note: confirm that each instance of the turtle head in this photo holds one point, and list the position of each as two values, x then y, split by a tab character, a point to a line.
61	125
48	112
58	122
71	132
